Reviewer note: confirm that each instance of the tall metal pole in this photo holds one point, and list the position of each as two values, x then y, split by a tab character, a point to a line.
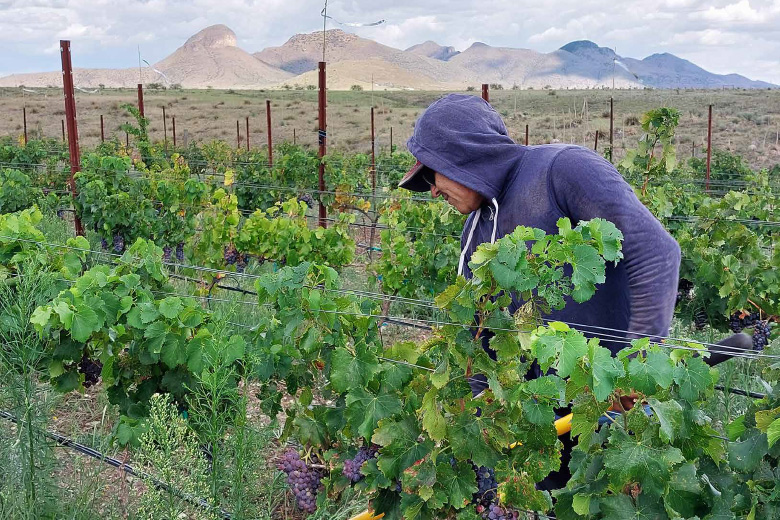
173	124
611	127
322	138
270	139
24	120
486	92
709	146
141	99
526	135
165	130
247	133
70	115
102	130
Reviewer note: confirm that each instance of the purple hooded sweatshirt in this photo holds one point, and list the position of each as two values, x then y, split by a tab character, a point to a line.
463	138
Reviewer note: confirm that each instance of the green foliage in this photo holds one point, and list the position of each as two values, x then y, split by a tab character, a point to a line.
420	246
724	166
281	233
659	126
16	191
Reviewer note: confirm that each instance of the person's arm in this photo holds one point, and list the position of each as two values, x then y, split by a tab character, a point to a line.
586	186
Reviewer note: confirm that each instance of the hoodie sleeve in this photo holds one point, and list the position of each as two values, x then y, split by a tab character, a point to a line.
585	186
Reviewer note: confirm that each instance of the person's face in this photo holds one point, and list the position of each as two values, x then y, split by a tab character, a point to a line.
464	199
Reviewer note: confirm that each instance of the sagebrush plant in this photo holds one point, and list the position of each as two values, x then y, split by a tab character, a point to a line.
169	449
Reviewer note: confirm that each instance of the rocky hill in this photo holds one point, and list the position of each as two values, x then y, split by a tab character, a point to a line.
212	58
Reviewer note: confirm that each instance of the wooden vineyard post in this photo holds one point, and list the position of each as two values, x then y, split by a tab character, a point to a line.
141	99
24	121
322	139
173	129
486	92
270	139
526	135
247	133
709	147
70	115
102	130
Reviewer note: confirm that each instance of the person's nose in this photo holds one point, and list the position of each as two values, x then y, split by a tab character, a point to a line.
434	191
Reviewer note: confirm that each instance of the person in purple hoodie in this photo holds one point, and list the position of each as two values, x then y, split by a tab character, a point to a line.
466	156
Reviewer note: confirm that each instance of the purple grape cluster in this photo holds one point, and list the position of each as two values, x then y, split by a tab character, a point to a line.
303	480
761	331
231	255
737	321
104	244
167	250
180	251
352	466
700	319
91	370
119	243
486	486
307	199
496	512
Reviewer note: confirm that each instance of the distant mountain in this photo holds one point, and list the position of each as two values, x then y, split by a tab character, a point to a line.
433	50
212	58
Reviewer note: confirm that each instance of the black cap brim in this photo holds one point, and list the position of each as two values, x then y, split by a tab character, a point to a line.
413	179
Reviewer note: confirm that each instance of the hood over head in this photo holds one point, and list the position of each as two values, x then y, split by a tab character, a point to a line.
463	138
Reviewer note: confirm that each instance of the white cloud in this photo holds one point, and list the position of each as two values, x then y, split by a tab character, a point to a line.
739	12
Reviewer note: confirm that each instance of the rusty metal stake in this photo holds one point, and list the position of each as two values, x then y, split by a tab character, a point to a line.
70	115
24	120
102	130
611	127
709	147
596	144
322	138
247	133
270	139
173	125
63	129
526	135
165	131
294	140
238	135
391	140
486	92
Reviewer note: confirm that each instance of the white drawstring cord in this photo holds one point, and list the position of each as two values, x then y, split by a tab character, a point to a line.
495	222
468	240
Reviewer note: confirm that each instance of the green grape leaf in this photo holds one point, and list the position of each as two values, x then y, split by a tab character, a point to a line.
149	312
365	409
352	371
746	455
573	347
629	461
433	421
85	322
606	371
656	369
693	378
155	333
459	483
169	307
621	507
773	432
468	440
402	445
670	415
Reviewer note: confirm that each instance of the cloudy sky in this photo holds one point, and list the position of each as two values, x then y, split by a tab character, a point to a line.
722	36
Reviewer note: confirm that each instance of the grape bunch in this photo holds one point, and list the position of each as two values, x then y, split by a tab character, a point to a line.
180	251
167	250
761	331
119	243
302	479
231	255
307	199
684	290
486	484
352	466
104	244
700	319
91	370
496	512
739	321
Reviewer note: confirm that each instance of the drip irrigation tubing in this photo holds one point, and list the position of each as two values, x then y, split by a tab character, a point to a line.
95	454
